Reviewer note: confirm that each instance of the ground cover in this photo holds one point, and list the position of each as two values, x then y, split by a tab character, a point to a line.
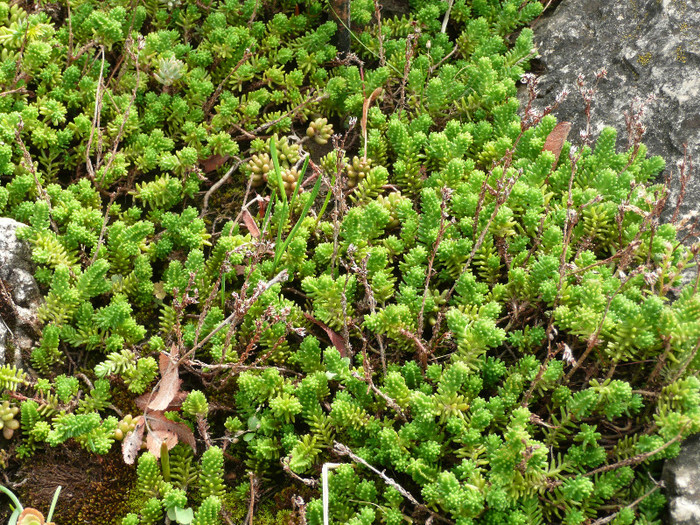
278	235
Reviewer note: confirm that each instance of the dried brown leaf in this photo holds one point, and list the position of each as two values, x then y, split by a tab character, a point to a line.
365	112
170	380
156	438
214	162
555	139
132	441
157	421
143	400
251	224
335	338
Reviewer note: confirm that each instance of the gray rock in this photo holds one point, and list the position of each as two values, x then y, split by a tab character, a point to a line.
19	295
650	48
651	52
682	478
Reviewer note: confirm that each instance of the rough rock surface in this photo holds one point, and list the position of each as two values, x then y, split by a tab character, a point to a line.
651	51
682	478
19	295
649	48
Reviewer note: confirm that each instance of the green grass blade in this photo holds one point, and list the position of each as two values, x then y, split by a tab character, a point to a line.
293	232
298	186
278	171
53	503
11	495
325	202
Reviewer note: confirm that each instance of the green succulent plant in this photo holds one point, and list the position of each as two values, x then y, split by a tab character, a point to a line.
486	331
8	422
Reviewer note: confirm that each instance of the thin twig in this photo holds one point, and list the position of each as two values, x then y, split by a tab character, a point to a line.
343	450
608	519
105	219
380	36
23	91
70	31
95	118
30	166
309	482
292	111
251	505
634	460
446	195
218	184
422	350
389	401
206	108
240	311
81	51
141	44
444	59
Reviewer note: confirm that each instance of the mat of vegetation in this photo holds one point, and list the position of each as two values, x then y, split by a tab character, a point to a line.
263	253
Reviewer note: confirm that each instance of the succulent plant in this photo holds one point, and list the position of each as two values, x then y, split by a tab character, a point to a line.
474	315
31	516
357	170
170	70
287	153
260	165
320	130
390	202
290	177
8	422
126	425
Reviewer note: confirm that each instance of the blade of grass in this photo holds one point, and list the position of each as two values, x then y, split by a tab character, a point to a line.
18	506
11	495
283	195
268	214
302	216
278	171
325	203
283	219
298	186
53	504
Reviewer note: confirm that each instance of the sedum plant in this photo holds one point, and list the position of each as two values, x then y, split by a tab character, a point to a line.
483	322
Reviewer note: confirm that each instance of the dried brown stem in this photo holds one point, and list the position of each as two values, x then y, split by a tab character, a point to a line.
95	120
380	36
446	195
309	482
206	108
29	164
608	519
292	111
218	184
343	450
239	311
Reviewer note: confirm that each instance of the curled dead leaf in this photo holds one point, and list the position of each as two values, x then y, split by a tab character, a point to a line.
335	338
143	400
132	441
158	422
214	162
250	223
170	380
